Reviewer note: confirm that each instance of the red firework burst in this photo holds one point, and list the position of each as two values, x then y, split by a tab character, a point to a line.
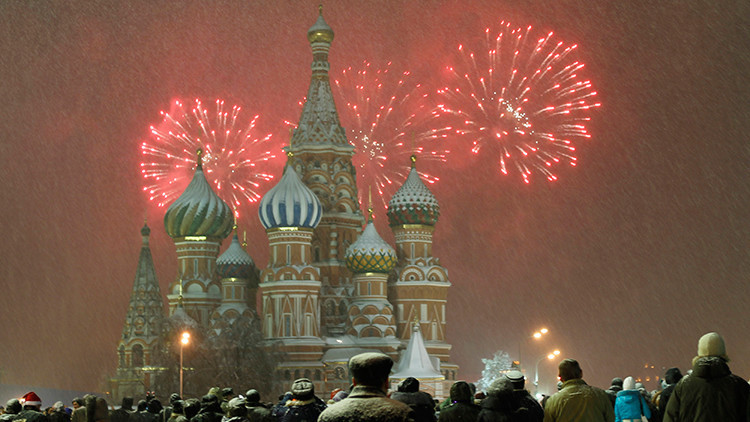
385	117
523	97
231	156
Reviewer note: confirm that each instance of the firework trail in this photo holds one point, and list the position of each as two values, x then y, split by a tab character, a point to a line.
387	120
232	157
521	97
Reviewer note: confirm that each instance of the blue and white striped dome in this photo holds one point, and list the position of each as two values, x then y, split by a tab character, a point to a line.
290	204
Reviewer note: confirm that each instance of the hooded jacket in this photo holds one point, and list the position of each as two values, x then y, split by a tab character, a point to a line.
710	393
462	407
630	404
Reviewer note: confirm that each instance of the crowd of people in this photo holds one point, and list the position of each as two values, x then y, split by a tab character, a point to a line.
709	392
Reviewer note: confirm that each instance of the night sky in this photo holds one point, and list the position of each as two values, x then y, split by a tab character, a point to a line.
628	258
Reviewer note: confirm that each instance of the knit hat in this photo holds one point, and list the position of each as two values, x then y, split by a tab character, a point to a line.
303	389
500	387
252	395
673	375
31	399
712	344
628	384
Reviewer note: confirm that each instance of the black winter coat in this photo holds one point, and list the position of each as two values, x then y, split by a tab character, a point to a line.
711	393
421	403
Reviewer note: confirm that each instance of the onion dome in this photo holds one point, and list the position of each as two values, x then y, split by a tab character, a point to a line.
320	31
235	262
198	211
370	253
290	204
413	203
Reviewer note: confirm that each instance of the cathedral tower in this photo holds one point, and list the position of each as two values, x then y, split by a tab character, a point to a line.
198	221
322	158
139	345
371	318
419	290
290	285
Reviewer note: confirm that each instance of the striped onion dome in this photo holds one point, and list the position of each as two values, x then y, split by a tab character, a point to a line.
413	203
290	204
235	262
370	253
199	211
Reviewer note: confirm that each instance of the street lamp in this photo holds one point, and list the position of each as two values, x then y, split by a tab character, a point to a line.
183	341
536	336
536	369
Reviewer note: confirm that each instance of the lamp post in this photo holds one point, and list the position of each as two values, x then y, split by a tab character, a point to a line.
183	341
536	368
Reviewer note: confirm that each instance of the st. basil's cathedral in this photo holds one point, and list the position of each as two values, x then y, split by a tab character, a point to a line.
331	289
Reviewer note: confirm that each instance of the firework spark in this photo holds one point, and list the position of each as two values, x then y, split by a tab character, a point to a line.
523	97
385	117
231	156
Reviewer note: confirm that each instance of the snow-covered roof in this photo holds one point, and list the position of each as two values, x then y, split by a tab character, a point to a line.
413	203
415	361
370	253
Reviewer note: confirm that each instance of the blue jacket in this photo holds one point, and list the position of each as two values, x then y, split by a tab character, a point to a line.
629	405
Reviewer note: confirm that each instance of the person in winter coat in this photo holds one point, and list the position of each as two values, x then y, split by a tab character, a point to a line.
31	411
123	413
301	405
58	414
630	404
576	400
711	392
461	407
12	408
671	377
256	411
498	405
236	410
177	414
210	410
97	409
421	402
615	388
367	401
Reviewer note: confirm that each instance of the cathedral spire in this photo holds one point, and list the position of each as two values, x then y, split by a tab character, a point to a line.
319	123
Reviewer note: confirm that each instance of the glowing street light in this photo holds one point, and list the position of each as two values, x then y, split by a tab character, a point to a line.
536	336
184	340
550	356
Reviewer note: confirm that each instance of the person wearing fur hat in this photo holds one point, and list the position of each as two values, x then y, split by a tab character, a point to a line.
576	400
31	412
461	407
301	404
711	392
421	402
630	404
367	401
12	408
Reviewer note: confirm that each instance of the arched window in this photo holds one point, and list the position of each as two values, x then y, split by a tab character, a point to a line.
137	357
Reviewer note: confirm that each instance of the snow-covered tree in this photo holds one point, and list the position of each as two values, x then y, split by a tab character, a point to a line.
494	368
